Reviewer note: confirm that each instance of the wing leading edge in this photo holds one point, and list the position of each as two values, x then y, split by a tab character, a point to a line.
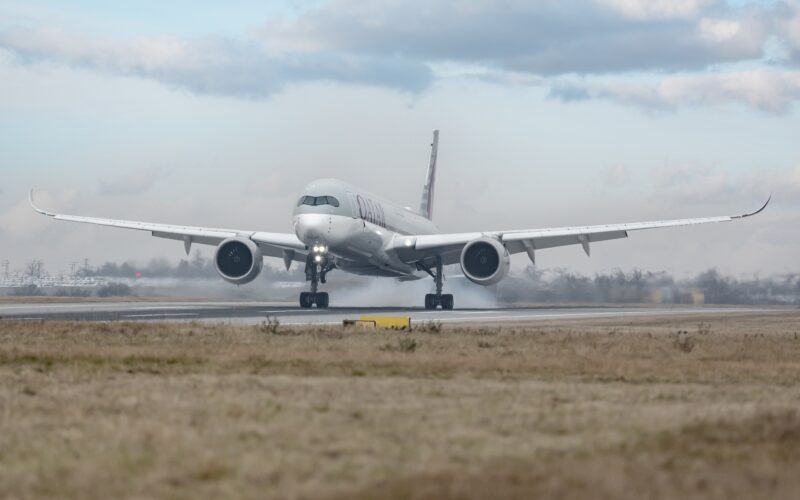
448	246
272	244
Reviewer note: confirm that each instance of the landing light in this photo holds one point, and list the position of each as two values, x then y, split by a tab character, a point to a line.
318	258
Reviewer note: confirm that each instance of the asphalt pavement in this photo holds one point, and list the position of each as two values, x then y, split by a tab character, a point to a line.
290	314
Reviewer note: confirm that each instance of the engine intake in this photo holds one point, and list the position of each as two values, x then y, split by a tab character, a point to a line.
238	260
485	261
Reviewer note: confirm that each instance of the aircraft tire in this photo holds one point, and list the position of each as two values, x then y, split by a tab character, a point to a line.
322	299
306	300
447	301
430	301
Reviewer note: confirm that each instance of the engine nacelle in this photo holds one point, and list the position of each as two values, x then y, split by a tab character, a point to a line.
238	260
485	261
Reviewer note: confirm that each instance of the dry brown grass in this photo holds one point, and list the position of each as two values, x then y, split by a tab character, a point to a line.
598	408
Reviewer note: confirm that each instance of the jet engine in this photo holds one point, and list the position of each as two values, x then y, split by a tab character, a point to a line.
238	260
485	261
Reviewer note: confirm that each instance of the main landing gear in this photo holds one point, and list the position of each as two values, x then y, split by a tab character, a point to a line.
308	299
434	300
317	267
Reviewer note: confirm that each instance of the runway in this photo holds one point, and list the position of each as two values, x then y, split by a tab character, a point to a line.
290	314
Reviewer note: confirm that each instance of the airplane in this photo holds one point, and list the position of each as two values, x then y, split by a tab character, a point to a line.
339	226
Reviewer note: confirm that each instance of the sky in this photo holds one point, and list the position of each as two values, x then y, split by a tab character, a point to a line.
551	114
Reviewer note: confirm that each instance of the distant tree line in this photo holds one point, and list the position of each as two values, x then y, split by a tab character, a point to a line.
638	286
108	290
198	267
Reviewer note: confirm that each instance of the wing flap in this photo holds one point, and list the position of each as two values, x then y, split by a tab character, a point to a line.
202	239
516	244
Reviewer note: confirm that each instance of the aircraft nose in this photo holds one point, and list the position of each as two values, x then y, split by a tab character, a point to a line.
312	228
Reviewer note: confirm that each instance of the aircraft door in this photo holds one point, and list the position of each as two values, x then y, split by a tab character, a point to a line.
351	199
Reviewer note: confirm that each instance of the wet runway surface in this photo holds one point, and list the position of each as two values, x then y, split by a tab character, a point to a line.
254	313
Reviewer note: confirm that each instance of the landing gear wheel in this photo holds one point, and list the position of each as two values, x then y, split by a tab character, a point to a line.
430	301
447	301
306	300
322	300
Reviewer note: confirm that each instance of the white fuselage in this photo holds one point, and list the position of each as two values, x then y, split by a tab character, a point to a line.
356	228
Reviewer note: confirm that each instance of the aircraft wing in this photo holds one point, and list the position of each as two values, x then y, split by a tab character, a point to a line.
272	244
422	248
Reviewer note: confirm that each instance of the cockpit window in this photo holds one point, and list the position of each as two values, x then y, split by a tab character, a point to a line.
318	200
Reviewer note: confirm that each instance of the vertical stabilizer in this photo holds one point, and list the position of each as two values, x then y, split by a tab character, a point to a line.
426	205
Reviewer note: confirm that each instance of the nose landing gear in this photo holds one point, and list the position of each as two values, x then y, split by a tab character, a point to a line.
434	300
316	271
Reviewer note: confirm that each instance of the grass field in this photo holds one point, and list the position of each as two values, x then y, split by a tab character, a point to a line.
612	408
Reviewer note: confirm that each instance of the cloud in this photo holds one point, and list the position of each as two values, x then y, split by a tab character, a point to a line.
572	48
211	65
135	182
658	9
616	176
771	91
543	38
788	26
272	184
723	185
554	44
20	222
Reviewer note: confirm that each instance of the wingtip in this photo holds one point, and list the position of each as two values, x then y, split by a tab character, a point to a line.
759	210
35	208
